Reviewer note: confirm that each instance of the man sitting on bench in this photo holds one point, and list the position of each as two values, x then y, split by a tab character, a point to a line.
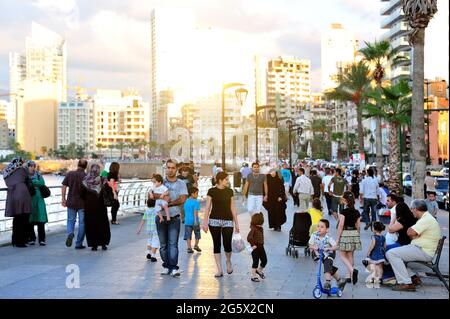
425	235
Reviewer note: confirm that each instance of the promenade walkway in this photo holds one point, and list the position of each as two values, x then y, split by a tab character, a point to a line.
123	271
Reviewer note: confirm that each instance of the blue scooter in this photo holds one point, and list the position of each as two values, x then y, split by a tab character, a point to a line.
319	290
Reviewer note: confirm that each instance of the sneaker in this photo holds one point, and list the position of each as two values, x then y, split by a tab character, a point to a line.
42	243
31	242
197	248
390	282
190	251
80	247
327	285
365	262
175	273
153	259
149	257
165	271
369	284
69	240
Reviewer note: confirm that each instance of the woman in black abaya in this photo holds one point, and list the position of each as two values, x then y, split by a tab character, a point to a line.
95	212
276	200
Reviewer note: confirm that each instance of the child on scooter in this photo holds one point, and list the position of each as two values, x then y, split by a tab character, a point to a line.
322	240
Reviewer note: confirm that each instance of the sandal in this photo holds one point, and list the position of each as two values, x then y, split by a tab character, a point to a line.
229	272
261	274
255	279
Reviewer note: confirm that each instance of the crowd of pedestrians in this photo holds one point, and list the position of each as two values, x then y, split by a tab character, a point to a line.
412	233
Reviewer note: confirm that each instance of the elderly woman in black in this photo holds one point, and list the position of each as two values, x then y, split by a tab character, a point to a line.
276	200
96	214
18	200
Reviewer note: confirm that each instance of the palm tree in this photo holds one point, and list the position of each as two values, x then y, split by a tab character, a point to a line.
352	88
338	137
378	53
120	146
418	13
393	104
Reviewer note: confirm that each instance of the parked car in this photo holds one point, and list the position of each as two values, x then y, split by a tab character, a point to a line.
442	191
407	184
444	172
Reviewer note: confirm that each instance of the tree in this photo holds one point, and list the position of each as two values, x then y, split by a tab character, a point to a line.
418	13
393	104
320	142
338	137
378	53
120	146
352	88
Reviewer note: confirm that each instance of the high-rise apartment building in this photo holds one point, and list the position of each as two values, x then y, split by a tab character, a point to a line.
38	80
289	85
76	124
120	117
338	51
396	32
169	41
207	122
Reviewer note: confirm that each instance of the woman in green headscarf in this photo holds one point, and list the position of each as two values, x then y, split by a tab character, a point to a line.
38	209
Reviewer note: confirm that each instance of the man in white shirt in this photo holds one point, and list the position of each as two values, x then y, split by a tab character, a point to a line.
305	190
369	196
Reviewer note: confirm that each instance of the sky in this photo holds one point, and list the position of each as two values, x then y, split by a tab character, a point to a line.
108	41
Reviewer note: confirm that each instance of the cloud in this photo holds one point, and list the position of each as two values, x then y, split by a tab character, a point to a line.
65	10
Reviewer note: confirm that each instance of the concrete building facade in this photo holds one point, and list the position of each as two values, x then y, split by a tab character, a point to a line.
76	124
37	95
396	32
288	85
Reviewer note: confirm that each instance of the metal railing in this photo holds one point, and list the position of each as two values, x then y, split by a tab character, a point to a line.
132	198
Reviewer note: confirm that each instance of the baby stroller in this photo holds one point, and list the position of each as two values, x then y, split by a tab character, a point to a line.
299	235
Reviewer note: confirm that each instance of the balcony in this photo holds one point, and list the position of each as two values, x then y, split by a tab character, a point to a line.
389	6
400	43
396	15
399	28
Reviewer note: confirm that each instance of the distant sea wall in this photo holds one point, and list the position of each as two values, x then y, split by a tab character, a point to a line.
127	170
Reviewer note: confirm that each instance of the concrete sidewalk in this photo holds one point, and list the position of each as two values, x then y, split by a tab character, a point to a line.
124	272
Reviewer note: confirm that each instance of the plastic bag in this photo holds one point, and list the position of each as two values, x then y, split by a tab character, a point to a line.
237	243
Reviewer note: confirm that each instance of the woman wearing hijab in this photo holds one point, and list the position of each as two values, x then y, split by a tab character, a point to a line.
38	209
96	214
18	200
276	200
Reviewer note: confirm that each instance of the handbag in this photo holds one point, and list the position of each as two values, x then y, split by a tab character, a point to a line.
45	191
108	196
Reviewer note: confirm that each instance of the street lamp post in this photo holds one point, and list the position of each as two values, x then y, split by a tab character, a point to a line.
241	95
291	128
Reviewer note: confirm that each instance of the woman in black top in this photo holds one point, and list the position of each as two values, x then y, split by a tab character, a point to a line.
113	179
220	219
348	237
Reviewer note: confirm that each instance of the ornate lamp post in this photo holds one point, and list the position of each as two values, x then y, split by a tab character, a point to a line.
241	96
